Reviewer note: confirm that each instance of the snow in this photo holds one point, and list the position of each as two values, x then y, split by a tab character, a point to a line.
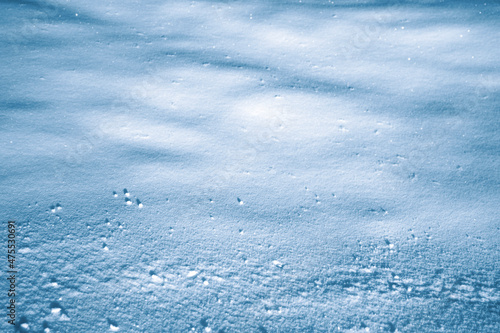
252	166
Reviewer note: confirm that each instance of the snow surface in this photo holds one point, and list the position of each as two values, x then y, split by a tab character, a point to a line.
302	166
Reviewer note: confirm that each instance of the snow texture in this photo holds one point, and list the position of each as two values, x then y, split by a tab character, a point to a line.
252	166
